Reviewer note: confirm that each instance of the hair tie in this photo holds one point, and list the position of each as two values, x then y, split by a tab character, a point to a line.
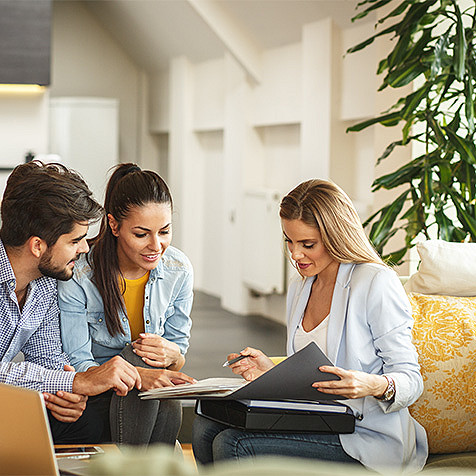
134	168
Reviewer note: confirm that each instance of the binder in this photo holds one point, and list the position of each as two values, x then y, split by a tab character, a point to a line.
291	379
275	416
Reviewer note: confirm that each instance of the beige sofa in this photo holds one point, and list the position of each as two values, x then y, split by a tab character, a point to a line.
442	294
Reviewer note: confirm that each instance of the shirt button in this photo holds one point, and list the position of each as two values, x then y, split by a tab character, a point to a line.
100	320
147	322
147	297
124	319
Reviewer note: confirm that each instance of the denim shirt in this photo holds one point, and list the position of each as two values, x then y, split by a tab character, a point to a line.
167	305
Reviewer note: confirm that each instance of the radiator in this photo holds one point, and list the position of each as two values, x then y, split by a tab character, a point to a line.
263	251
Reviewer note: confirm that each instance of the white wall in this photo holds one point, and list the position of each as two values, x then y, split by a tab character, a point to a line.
216	134
86	61
23	128
213	133
227	135
23	125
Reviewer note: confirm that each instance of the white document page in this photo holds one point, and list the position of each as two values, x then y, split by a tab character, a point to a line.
208	387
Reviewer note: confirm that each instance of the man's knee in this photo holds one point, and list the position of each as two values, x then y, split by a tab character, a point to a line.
90	427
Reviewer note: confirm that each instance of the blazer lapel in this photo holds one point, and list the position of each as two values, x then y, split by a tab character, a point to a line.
338	312
297	311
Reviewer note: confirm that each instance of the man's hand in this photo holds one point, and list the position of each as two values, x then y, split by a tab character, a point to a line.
158	352
116	373
156	378
65	406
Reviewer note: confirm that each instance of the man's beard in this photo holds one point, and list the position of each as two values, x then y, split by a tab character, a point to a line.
47	268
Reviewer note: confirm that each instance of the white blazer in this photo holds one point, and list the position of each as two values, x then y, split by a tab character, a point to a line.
369	329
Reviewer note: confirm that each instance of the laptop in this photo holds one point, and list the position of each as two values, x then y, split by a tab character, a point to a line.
26	445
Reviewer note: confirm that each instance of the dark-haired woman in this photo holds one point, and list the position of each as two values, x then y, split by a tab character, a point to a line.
132	296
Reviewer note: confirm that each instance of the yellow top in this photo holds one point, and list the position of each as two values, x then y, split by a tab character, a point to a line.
134	301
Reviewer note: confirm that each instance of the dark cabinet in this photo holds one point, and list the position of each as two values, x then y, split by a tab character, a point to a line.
25	41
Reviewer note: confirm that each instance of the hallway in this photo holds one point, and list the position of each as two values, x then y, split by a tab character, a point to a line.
215	334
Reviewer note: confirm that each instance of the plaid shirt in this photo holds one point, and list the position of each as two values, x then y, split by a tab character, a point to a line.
34	330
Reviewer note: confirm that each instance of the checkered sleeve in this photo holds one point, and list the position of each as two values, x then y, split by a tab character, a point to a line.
30	375
44	356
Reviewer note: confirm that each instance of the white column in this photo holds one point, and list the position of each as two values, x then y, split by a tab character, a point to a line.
185	170
236	138
147	149
316	100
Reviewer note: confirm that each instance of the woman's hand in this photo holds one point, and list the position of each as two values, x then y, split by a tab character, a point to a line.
253	366
156	378
352	383
158	352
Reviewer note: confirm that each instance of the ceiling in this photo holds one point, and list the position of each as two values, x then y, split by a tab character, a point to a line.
154	31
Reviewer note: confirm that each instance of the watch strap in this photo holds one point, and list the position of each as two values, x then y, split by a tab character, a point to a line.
389	393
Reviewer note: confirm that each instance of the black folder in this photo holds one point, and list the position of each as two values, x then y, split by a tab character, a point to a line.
291	379
283	400
287	417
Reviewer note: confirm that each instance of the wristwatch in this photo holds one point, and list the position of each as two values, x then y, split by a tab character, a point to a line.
389	394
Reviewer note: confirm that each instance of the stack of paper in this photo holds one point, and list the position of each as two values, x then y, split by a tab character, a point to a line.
210	387
287	405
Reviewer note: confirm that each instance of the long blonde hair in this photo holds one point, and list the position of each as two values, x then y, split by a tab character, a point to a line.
324	205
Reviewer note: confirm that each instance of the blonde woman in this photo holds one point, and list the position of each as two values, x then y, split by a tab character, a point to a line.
347	301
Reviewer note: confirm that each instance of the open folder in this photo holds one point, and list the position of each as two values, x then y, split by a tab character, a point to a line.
289	380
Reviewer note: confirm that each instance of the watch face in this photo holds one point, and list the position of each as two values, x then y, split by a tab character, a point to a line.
389	394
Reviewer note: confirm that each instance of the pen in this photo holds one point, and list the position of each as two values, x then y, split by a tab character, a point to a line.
233	361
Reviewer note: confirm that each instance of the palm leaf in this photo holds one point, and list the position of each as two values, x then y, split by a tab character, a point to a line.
395	258
465	147
387	218
464	217
386	119
460	45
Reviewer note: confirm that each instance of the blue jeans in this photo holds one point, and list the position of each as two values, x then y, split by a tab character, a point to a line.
213	442
143	422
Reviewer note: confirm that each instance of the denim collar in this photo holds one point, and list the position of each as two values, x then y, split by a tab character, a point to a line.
158	271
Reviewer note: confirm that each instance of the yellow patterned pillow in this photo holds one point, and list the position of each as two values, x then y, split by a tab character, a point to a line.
444	335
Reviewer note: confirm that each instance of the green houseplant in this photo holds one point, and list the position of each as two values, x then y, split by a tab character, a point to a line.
434	44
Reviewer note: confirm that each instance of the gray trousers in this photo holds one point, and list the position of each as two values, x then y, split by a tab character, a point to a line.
142	422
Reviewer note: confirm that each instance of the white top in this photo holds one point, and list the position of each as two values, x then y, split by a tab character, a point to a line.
317	335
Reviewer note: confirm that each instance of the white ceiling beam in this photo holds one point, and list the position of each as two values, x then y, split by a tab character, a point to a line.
234	37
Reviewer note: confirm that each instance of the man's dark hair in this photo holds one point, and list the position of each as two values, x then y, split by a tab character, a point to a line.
45	201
